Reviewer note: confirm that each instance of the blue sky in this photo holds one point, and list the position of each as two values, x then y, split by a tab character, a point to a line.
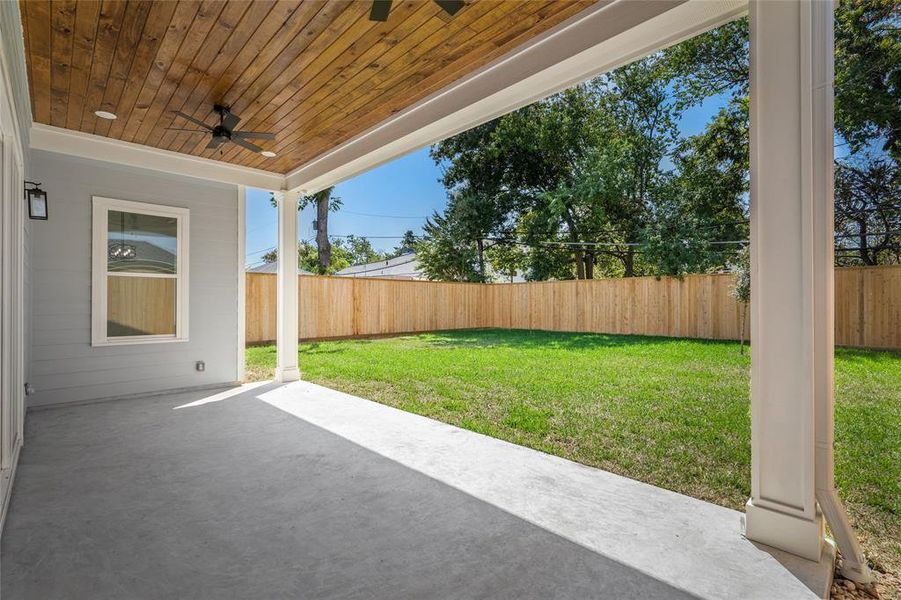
390	199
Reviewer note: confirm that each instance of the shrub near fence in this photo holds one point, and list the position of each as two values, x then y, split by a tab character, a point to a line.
867	306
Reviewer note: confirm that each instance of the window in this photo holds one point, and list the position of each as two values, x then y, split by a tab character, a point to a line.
140	273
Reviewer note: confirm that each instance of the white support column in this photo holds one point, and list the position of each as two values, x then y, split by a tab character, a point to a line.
790	217
792	318
242	280
287	331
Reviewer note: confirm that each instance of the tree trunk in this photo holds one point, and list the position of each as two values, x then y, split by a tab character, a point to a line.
589	265
580	265
629	263
741	336
322	241
481	247
864	249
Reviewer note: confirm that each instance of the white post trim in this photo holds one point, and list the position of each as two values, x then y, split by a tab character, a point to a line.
242	280
286	330
792	271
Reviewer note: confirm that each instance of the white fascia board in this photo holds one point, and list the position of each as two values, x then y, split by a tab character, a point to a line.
85	145
599	39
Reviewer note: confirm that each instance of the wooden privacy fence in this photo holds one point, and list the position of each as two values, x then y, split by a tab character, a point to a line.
867	306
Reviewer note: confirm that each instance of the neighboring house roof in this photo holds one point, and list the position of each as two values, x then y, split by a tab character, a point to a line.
272	267
404	266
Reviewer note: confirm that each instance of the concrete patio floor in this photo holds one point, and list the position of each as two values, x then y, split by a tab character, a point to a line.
299	491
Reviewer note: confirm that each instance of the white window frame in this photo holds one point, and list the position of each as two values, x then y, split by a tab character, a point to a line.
100	274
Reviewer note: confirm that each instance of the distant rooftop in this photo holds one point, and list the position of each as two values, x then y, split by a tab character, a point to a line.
272	267
404	266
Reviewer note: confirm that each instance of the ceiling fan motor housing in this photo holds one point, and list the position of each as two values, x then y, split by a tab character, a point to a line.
221	131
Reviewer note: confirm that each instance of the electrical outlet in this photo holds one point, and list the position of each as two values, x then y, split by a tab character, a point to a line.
200	366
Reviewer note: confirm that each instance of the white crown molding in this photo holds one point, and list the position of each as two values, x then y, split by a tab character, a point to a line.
85	145
605	36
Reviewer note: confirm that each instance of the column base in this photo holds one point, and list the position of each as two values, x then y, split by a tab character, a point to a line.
797	535
287	374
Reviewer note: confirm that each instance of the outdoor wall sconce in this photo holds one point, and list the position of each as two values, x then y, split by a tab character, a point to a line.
37	201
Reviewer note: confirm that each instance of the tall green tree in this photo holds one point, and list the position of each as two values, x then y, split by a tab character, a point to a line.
446	255
868	74
572	175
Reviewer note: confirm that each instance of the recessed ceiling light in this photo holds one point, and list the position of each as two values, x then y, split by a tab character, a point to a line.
268	153
104	114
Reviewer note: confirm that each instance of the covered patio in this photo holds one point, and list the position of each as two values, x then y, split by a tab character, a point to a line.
138	481
275	491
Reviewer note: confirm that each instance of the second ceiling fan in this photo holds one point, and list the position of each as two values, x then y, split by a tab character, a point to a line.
381	8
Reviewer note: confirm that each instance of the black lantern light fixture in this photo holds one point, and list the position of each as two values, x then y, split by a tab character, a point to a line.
37	201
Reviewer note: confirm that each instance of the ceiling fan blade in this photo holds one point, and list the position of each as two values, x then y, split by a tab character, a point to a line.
188	130
230	121
193	120
216	142
451	7
380	10
253	135
246	144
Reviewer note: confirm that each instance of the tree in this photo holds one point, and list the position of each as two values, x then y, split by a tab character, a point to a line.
325	202
360	250
868	74
407	244
445	255
506	260
867	70
505	169
344	252
868	211
572	175
712	64
741	288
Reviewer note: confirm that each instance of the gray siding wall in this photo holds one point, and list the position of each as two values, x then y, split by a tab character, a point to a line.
64	367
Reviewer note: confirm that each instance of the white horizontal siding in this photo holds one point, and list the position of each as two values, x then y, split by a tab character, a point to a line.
64	367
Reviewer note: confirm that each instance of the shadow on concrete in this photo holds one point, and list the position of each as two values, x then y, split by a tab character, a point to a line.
234	498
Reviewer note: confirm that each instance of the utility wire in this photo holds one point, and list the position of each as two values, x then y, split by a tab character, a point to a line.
362	214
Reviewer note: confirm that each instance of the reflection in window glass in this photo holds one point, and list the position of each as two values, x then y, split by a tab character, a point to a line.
140	306
139	243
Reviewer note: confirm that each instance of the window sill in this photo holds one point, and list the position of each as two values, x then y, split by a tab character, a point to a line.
138	341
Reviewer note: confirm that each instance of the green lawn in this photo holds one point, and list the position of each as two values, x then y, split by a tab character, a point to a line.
671	412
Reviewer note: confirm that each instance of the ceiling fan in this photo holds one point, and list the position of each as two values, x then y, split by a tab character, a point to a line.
381	8
225	130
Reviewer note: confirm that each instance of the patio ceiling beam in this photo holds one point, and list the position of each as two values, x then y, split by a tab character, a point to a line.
601	38
792	270
86	145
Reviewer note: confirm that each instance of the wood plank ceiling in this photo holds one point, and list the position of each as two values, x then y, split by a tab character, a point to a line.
315	72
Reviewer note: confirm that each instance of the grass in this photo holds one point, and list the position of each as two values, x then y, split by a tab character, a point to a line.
671	412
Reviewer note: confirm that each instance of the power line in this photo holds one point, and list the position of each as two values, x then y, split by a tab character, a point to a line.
362	214
263	251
